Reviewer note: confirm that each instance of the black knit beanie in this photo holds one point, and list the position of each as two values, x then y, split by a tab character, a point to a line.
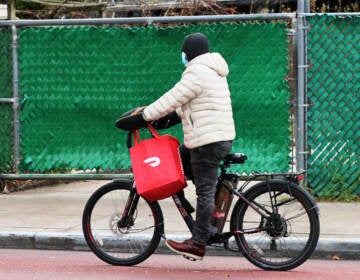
195	45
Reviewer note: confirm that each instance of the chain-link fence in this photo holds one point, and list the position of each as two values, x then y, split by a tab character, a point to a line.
6	110
75	81
334	113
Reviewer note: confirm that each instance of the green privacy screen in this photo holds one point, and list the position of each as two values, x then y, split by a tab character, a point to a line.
76	81
334	117
6	110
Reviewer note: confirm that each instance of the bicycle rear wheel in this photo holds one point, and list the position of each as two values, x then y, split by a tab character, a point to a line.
285	239
115	236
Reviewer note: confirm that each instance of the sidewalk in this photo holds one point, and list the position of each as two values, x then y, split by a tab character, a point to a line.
50	218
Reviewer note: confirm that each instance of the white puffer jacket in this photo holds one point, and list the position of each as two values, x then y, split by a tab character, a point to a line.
202	99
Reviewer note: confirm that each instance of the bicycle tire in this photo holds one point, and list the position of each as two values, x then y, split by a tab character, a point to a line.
289	237
124	246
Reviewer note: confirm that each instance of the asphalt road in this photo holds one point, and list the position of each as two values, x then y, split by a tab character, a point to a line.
59	265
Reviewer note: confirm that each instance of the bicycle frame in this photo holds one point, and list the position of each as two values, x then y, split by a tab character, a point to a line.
222	237
260	222
233	188
184	213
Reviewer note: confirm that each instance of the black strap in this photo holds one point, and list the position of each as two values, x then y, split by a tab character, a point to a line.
129	142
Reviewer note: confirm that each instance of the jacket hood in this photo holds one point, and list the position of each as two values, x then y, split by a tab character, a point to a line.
212	60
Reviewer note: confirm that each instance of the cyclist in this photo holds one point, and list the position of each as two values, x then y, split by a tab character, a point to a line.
201	100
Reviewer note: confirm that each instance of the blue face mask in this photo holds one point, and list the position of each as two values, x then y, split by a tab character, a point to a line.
183	59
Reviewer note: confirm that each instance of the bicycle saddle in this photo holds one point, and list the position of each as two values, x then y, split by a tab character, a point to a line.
235	158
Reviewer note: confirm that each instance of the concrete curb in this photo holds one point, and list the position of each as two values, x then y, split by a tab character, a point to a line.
327	248
46	241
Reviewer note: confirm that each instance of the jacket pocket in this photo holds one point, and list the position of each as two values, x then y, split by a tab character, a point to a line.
191	121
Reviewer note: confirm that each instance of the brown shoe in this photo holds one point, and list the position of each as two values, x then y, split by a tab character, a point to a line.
187	248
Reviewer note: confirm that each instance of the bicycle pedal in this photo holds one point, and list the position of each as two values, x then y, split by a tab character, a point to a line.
189	258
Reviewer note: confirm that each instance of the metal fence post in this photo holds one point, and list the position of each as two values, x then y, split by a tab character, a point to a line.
301	131
15	81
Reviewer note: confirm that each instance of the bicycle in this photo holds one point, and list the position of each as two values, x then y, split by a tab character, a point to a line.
274	224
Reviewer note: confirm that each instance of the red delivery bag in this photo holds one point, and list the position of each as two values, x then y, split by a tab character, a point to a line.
156	166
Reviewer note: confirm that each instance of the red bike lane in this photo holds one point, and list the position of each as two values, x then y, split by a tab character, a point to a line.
61	265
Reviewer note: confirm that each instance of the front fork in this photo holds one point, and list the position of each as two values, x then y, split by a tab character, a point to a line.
127	215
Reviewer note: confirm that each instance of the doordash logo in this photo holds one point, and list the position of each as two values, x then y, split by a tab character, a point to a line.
152	161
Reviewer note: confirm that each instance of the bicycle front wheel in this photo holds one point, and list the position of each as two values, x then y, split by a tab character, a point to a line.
288	236
116	236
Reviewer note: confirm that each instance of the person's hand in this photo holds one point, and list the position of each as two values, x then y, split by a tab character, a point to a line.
132	120
138	110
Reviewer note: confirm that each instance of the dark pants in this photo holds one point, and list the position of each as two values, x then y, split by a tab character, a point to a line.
201	165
